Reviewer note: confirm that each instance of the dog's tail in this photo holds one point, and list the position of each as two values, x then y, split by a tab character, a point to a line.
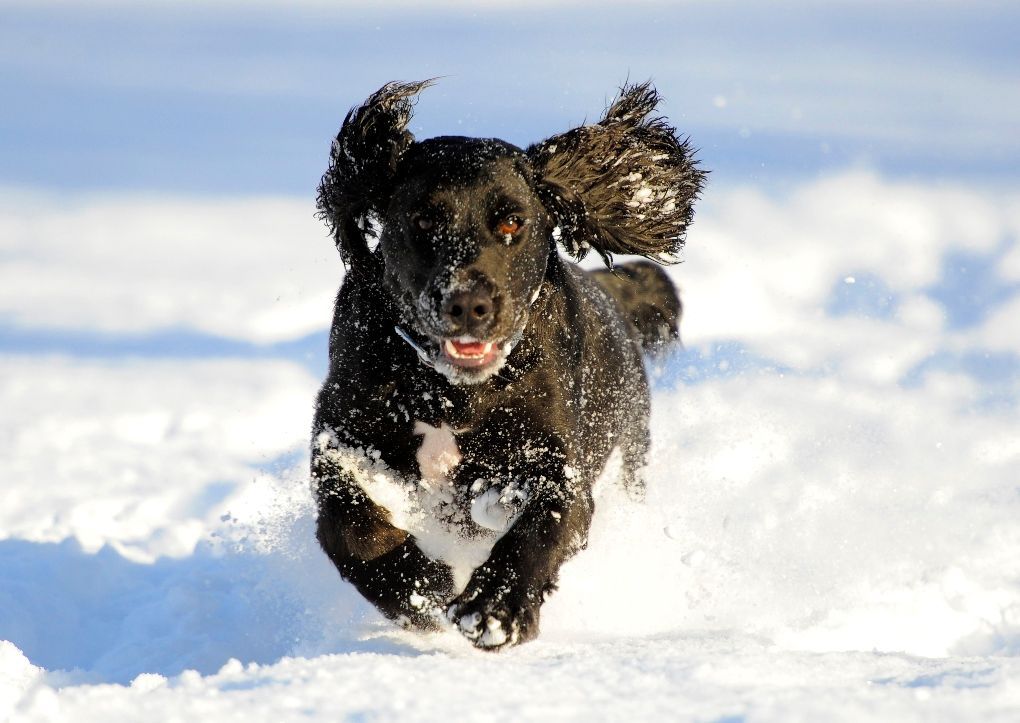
649	300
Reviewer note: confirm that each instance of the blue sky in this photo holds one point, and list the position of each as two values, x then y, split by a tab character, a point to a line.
224	97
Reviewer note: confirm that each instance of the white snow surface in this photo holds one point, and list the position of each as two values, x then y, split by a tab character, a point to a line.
141	263
831	534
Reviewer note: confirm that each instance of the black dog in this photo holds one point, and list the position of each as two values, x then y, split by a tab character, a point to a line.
479	381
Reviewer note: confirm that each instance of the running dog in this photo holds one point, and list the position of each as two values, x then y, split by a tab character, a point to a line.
479	380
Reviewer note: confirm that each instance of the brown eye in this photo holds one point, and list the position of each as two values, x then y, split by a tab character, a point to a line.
423	222
509	226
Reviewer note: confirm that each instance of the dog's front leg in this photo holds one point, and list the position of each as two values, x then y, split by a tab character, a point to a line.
500	606
382	561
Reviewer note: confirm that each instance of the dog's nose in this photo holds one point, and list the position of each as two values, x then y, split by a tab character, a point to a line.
470	311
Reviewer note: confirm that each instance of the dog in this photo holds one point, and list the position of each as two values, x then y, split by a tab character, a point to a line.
479	380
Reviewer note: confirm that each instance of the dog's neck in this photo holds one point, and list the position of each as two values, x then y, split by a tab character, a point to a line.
423	356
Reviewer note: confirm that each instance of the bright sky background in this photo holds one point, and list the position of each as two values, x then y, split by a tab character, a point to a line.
229	97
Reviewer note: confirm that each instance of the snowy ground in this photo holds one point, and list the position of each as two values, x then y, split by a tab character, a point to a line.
832	530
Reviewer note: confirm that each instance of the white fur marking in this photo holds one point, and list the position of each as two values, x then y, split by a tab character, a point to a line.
438	454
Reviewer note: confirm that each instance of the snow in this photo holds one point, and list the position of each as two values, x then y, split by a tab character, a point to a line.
675	677
141	456
830	532
132	266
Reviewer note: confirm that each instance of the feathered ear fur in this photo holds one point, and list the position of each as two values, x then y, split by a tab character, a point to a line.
625	185
362	161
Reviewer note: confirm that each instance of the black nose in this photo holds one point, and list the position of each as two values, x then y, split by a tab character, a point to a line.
469	312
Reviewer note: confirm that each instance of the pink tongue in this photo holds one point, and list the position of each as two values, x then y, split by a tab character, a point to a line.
469	348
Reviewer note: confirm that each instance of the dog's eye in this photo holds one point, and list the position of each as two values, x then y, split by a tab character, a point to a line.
423	222
509	226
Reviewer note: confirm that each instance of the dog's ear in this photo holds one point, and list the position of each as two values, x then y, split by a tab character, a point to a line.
625	185
362	162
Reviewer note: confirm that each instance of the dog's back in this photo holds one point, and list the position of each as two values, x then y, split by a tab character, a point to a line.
649	300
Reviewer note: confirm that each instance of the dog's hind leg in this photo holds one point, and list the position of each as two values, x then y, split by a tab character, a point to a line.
635	438
649	300
634	453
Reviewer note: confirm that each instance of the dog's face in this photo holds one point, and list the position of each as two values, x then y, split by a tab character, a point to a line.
465	244
468	225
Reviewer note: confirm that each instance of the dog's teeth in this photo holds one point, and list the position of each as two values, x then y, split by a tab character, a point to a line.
451	349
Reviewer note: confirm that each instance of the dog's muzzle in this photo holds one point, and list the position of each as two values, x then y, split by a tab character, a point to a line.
469	311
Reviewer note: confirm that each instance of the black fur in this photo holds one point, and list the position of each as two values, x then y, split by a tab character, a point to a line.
649	301
625	185
467	324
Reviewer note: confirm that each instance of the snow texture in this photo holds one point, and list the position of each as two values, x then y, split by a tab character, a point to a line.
131	268
831	530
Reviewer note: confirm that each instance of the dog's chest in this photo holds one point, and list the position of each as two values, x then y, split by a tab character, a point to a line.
452	517
486	503
438	454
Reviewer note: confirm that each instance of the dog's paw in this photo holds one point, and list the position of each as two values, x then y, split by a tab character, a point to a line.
491	633
493	624
423	613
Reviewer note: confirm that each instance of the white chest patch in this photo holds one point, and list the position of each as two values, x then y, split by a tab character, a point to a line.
429	507
438	454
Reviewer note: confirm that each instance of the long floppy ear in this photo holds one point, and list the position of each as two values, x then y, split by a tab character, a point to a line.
625	185
362	161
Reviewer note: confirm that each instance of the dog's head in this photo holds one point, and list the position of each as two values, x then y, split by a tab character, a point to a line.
466	227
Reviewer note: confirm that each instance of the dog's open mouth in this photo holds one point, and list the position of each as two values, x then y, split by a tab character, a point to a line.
470	354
